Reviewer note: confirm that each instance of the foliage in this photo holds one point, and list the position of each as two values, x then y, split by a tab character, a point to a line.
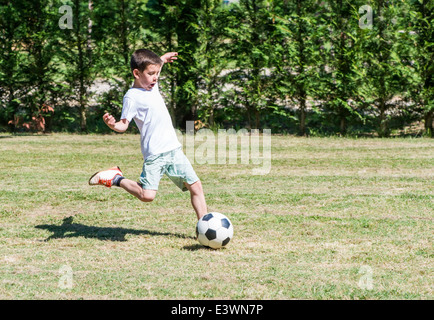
305	67
421	17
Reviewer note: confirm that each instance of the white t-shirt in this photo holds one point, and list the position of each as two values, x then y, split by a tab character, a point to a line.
151	116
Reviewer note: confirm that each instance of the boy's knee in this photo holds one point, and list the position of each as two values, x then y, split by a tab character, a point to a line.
147	199
147	196
195	187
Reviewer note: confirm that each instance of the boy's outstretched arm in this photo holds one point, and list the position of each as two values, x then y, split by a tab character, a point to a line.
110	121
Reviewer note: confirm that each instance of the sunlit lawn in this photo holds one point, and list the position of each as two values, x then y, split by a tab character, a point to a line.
335	218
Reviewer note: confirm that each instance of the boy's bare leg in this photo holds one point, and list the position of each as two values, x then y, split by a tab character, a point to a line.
136	190
196	194
197	198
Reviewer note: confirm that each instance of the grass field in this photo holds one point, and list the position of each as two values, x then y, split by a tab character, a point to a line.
335	218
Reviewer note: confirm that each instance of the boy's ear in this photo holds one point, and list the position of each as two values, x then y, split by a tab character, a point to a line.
136	73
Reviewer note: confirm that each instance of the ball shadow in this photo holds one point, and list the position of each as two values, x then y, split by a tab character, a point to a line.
195	247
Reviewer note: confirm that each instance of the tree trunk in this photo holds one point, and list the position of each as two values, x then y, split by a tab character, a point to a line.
301	85
343	125
429	118
81	69
186	80
383	130
302	127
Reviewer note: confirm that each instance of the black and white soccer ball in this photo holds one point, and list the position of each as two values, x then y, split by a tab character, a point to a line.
214	230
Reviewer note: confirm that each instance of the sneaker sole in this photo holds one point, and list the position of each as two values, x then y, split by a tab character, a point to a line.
99	172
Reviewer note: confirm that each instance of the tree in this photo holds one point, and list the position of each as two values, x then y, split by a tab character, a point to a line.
251	30
383	72
11	58
172	30
300	58
39	44
210	58
339	52
26	65
420	31
119	29
186	78
76	54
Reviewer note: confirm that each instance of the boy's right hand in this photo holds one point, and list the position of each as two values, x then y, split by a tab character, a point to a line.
109	120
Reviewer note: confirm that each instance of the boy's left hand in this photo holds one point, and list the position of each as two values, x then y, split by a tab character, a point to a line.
169	57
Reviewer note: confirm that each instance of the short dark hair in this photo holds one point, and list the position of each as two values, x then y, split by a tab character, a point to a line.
142	58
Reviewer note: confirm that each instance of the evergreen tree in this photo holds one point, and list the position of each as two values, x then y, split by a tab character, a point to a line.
340	62
11	77
251	30
300	57
76	55
383	73
211	60
420	31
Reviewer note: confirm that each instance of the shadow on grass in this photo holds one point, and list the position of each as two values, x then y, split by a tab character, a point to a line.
196	247
68	229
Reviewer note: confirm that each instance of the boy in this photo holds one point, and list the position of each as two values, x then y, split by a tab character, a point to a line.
162	152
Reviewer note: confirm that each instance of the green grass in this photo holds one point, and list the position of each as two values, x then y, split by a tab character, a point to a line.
328	208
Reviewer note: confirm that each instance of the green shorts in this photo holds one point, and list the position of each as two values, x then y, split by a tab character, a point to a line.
173	163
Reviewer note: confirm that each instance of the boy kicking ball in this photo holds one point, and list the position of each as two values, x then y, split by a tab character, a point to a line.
162	152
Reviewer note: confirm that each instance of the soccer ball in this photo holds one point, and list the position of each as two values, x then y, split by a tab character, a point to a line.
214	230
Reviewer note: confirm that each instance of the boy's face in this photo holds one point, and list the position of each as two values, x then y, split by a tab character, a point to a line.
148	78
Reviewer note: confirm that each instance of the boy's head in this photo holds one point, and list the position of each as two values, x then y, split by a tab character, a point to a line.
142	58
145	67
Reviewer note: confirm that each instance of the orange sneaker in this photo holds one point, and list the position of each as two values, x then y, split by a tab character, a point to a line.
105	177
